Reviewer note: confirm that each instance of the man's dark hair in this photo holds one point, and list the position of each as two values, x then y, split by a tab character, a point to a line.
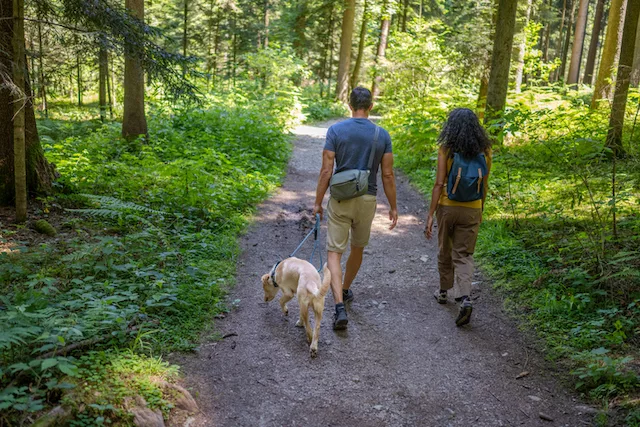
463	133
360	98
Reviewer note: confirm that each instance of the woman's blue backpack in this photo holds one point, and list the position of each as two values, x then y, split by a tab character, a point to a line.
465	178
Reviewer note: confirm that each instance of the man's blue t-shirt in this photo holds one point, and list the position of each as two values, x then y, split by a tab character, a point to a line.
351	140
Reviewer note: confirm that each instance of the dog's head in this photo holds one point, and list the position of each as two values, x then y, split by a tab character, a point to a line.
270	291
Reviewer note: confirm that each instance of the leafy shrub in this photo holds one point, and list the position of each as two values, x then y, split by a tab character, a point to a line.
151	253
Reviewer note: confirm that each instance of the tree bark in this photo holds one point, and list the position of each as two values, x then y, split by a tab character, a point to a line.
38	171
266	24
595	41
102	83
185	33
501	59
79	79
134	122
578	44
635	72
342	86
522	48
42	87
567	41
19	105
627	50
481	104
355	77
382	47
405	10
604	87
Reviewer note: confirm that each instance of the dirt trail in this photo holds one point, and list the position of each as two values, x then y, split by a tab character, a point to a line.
402	362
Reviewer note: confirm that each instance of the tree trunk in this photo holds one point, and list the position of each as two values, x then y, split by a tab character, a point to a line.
481	104
355	77
79	79
42	87
109	88
331	46
19	104
610	52
342	86
501	59
595	41
382	47
627	50
567	41
185	33
134	122
102	79
266	24
38	172
635	72
405	10
578	44
522	46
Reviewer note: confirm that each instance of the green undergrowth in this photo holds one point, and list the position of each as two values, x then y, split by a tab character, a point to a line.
548	240
145	251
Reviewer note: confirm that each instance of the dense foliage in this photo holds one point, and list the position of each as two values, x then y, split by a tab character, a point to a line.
550	240
150	245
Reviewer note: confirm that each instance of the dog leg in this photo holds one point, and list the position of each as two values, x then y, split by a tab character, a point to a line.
318	308
286	297
304	317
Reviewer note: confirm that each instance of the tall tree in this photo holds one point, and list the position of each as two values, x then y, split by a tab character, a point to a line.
38	172
635	72
578	43
19	105
266	24
346	39
572	4
610	52
595	41
385	25
185	33
627	50
501	58
363	35
522	46
481	104
134	121
102	82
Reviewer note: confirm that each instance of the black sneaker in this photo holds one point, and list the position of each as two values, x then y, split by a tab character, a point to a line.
347	296
440	296
340	318
464	316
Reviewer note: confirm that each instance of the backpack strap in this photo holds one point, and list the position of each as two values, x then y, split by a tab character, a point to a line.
373	147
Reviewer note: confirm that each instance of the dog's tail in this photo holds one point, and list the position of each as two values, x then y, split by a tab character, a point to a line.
326	280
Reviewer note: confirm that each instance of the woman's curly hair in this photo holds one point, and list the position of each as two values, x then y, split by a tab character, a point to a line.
463	133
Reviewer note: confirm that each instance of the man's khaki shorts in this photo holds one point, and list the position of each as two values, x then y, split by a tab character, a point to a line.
353	215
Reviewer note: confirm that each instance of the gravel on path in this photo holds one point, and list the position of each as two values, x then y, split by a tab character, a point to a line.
402	361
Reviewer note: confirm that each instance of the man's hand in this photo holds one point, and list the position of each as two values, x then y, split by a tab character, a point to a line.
393	217
428	231
317	209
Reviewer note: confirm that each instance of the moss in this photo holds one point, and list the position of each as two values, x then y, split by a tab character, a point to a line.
43	227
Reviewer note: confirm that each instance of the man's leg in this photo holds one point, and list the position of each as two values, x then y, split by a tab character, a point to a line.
353	266
333	263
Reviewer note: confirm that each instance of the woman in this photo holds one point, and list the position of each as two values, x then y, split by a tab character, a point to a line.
464	163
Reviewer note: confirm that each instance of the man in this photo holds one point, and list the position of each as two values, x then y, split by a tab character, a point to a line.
349	144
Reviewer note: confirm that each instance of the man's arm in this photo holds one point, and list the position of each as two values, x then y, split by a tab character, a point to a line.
389	184
328	157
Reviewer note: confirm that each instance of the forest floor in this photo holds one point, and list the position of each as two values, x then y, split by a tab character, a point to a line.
402	361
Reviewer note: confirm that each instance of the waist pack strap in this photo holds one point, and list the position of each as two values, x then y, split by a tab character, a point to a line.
373	147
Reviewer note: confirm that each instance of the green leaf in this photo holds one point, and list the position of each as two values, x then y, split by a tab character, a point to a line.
48	363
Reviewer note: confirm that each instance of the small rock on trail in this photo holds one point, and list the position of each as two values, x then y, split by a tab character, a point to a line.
401	362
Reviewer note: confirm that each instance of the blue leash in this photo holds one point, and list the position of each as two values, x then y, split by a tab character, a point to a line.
316	243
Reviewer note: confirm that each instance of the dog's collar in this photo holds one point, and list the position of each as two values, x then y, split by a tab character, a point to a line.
273	273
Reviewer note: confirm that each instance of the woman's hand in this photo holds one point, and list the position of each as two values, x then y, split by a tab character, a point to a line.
428	231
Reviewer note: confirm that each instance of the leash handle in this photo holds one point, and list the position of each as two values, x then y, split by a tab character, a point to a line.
316	227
